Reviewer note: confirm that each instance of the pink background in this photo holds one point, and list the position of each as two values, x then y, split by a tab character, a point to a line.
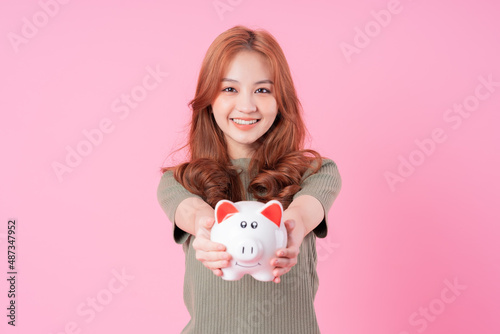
391	253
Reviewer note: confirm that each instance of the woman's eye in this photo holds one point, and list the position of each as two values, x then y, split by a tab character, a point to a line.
229	89
263	90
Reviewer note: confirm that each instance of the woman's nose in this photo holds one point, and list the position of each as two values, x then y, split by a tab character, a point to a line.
245	103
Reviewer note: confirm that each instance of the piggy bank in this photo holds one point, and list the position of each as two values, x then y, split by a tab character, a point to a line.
252	233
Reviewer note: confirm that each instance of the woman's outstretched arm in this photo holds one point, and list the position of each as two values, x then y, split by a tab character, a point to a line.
308	212
301	217
196	217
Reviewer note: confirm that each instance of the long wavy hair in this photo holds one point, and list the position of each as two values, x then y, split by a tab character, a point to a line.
279	163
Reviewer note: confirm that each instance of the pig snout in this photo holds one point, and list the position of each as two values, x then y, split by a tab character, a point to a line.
248	250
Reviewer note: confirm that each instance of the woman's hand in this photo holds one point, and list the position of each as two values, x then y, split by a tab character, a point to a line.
287	257
213	255
302	216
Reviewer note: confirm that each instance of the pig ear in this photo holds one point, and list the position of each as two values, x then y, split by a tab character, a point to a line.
224	209
273	211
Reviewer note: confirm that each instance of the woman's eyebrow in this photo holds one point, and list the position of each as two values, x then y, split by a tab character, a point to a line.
257	83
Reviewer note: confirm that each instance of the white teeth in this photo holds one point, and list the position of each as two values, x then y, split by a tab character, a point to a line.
243	122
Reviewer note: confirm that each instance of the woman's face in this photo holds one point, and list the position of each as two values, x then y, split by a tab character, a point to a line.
245	107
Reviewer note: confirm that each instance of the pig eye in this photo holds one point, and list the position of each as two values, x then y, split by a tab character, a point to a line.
243	224
254	224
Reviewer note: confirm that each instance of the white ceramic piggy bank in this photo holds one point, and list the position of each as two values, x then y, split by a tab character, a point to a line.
252	232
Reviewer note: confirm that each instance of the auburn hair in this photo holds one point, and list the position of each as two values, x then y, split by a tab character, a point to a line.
278	164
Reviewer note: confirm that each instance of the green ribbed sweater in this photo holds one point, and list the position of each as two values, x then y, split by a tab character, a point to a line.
250	306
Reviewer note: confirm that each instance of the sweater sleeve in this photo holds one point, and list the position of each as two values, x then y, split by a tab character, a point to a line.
325	186
170	194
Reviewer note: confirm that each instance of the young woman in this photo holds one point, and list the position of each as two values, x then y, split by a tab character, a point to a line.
246	143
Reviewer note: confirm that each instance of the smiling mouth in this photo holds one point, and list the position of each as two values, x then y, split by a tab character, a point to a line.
244	121
258	264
